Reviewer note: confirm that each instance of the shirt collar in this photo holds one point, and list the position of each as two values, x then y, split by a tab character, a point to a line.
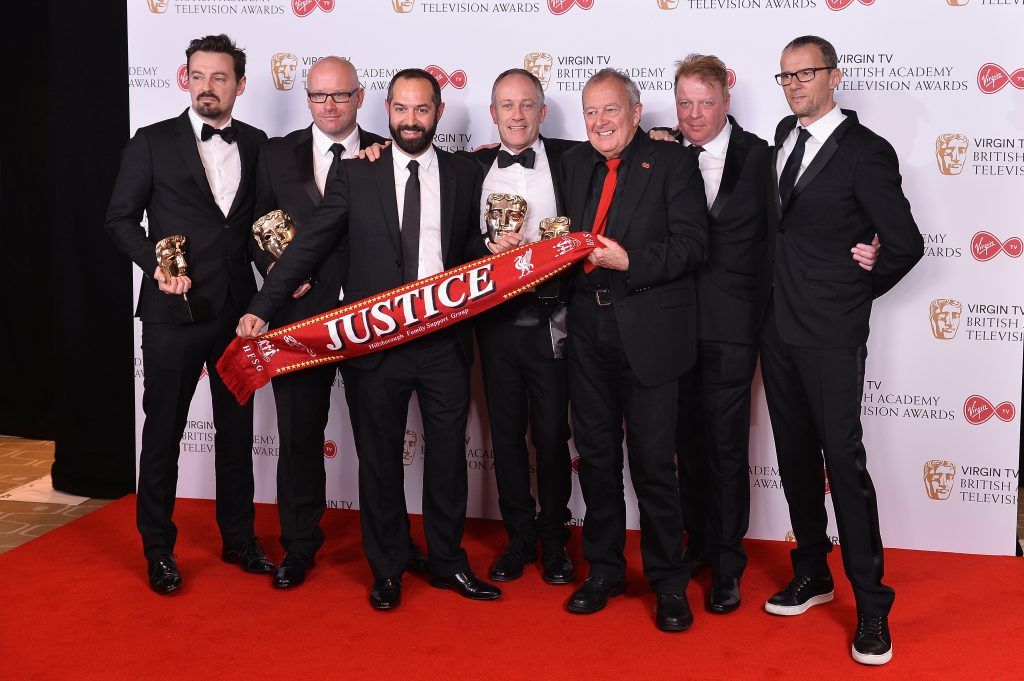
426	159
323	142
719	144
822	128
197	122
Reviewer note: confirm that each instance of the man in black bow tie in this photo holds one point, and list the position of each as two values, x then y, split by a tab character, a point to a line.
522	345
193	176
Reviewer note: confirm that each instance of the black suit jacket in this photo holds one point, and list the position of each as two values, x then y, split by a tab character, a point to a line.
851	190
285	181
162	174
360	205
661	221
729	285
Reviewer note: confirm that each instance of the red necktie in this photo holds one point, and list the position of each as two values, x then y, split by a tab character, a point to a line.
604	203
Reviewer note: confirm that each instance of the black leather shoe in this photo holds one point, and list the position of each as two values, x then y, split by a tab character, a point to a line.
802	593
467	585
673	613
725	595
558	567
163	574
593	595
872	643
292	570
250	556
509	565
386	593
418	561
696	557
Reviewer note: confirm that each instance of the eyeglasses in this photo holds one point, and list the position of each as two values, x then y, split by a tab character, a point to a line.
338	97
803	75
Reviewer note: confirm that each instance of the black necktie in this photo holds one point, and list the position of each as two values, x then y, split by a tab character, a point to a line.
788	178
337	149
525	158
697	150
227	134
411	225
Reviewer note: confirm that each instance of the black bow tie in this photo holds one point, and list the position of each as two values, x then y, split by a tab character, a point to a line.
525	158
227	134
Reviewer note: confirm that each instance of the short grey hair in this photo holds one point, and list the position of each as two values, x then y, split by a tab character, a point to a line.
519	72
612	74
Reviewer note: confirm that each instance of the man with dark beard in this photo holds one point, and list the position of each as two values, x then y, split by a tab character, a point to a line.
412	214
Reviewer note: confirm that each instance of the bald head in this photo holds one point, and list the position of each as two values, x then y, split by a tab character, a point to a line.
334	76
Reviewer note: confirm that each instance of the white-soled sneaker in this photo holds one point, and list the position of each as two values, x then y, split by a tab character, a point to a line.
802	593
872	643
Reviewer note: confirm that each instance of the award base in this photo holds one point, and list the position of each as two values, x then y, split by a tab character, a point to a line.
192	310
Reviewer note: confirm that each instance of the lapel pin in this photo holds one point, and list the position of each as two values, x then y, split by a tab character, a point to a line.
646	165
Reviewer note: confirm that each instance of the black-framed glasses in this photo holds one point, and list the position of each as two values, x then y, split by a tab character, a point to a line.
803	75
338	97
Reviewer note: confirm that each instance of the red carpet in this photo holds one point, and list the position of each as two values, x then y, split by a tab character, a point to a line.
76	606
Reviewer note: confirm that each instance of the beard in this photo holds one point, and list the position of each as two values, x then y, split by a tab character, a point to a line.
413	146
209	109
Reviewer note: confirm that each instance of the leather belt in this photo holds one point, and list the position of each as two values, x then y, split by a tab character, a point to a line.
599	296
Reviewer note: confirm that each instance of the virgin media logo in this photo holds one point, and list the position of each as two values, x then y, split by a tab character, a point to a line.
330	449
457	78
978	410
303	8
992	78
183	76
985	246
837	5
575	464
559	7
730	78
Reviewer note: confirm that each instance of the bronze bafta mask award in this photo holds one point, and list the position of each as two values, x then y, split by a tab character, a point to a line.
553	228
170	257
506	213
273	232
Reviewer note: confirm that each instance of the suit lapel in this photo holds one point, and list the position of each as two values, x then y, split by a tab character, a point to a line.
554	154
247	161
384	170
640	168
187	147
304	165
581	182
735	156
785	127
824	155
449	185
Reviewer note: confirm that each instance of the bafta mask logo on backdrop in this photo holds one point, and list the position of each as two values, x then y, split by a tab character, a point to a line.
992	78
539	64
409	447
282	70
303	8
957	3
403	6
668	4
559	7
158	6
837	5
790	537
978	410
330	449
944	317
183	77
457	78
730	78
951	152
985	246
938	478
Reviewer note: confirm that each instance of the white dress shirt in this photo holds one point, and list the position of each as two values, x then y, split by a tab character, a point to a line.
820	130
221	161
712	162
322	156
431	260
533	184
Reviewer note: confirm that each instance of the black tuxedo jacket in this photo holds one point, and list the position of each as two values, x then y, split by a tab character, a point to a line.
661	221
360	205
851	190
285	181
162	174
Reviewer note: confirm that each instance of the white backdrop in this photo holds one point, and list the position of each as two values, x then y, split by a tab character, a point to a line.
919	72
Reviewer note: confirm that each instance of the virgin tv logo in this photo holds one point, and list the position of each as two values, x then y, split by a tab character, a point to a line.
837	5
457	79
978	410
183	77
992	78
559	7
303	8
330	449
730	78
985	246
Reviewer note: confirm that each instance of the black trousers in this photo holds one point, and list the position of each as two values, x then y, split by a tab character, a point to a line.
303	401
814	397
173	357
713	448
525	388
604	390
434	367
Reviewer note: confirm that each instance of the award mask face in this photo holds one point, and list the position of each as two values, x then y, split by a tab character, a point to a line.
552	228
506	213
273	232
170	256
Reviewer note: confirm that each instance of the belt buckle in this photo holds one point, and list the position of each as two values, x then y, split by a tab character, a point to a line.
603	297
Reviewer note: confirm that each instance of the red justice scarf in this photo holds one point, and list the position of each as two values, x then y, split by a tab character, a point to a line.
397	316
